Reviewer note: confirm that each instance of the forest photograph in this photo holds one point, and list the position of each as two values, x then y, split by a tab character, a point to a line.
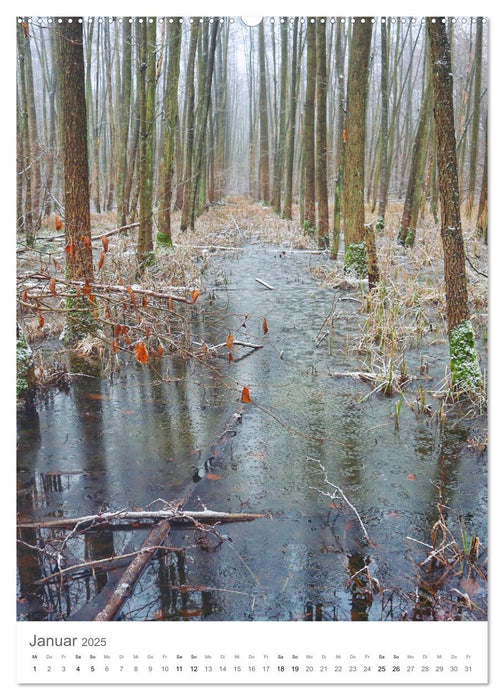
251	318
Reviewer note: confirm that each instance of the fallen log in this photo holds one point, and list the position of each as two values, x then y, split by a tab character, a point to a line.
174	517
133	572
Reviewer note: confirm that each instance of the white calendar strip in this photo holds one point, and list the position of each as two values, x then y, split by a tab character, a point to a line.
258	652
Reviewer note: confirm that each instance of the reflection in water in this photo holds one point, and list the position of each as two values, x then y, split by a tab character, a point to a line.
362	595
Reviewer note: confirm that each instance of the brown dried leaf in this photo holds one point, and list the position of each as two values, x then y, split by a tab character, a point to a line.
141	353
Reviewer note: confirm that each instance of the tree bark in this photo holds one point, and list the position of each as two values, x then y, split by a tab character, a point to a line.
291	128
189	129
170	126
321	169
353	187
79	261
264	174
382	195
310	222
451	228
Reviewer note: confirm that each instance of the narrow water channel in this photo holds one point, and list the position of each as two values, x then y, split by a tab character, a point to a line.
127	442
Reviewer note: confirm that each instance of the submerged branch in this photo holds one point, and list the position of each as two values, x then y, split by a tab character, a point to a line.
338	494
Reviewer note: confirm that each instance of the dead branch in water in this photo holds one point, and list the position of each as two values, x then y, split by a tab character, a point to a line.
338	494
175	517
133	572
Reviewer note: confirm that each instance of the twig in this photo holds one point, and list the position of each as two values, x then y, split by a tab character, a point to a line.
96	563
334	496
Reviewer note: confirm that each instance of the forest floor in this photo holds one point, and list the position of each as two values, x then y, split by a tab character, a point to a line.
409	298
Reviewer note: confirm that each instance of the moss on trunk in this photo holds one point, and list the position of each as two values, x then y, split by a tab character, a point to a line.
25	369
464	363
355	260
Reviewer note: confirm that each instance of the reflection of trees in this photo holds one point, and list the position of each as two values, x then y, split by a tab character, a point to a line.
94	461
432	577
362	596
176	594
28	560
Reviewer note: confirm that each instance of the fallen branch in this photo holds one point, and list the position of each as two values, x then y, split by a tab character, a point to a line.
173	516
99	236
338	494
133	572
265	284
135	289
101	563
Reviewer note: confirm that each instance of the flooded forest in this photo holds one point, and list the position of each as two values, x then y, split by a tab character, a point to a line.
251	334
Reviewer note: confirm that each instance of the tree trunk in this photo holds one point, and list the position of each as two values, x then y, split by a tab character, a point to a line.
79	260
321	170
476	114
411	207
189	109
309	222
205	107
464	360
291	128
170	125
382	195
482	223
282	119
25	164
146	92
124	115
339	142
353	186
264	175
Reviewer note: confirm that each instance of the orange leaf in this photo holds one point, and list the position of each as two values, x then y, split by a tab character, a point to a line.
56	264
195	294
101	260
25	295
230	357
160	350
86	289
25	29
117	329
52	286
144	301
344	135
212	477
245	398
141	353
170	303
41	321
132	296
229	341
87	242
115	346
58	223
70	249
105	241
265	326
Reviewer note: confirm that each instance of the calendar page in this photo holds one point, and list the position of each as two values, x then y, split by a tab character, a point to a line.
251	348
